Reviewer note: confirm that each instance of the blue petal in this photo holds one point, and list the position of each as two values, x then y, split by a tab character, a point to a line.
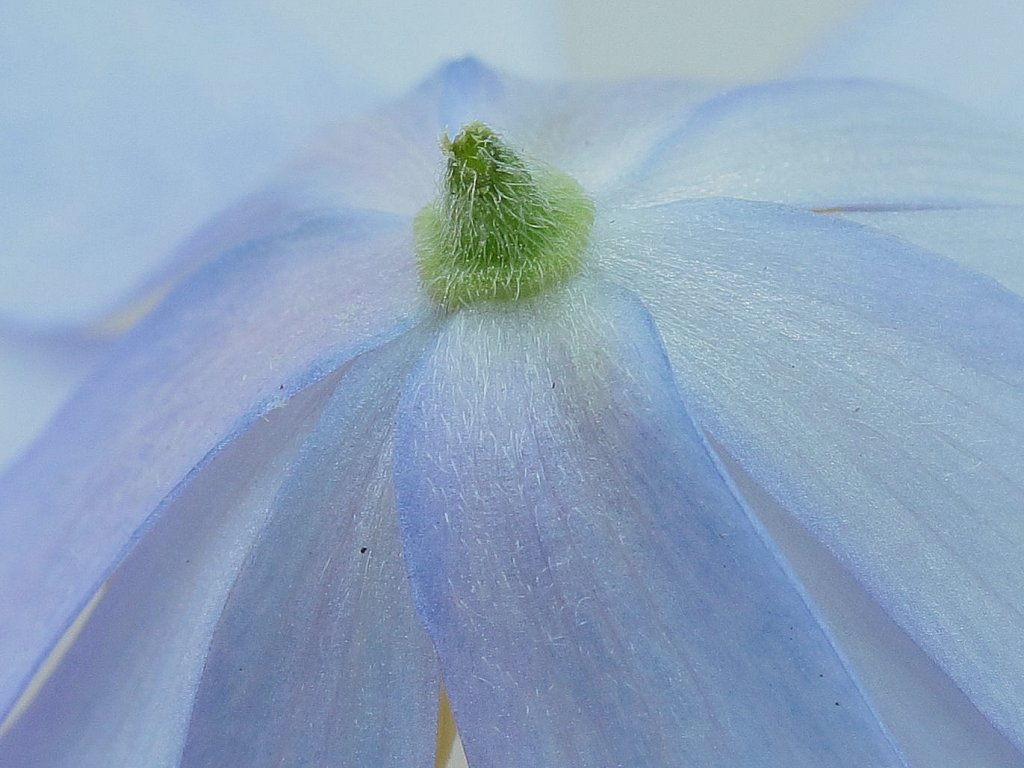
596	132
928	716
275	212
237	578
318	658
389	160
595	593
990	240
876	391
123	692
242	337
829	145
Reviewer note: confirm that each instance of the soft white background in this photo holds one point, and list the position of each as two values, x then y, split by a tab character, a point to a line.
717	39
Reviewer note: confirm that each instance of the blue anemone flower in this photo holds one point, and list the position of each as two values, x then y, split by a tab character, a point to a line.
744	491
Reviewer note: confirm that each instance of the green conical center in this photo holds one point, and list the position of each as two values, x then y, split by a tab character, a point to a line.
500	229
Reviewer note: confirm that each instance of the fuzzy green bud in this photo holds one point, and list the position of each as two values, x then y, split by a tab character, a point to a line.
501	229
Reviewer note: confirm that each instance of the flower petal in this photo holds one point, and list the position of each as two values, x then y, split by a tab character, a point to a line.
245	334
990	240
876	391
595	593
931	720
123	692
834	145
596	132
323	601
274	212
389	160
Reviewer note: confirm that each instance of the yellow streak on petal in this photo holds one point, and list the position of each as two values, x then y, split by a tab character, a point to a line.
446	730
52	661
123	320
449	752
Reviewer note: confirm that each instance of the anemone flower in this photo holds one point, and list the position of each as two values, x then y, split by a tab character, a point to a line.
648	424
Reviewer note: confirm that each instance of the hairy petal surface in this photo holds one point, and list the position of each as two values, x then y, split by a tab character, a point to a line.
876	391
828	145
596	594
319	658
990	240
245	334
123	693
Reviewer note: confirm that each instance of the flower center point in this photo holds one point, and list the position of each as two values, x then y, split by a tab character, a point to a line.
501	228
